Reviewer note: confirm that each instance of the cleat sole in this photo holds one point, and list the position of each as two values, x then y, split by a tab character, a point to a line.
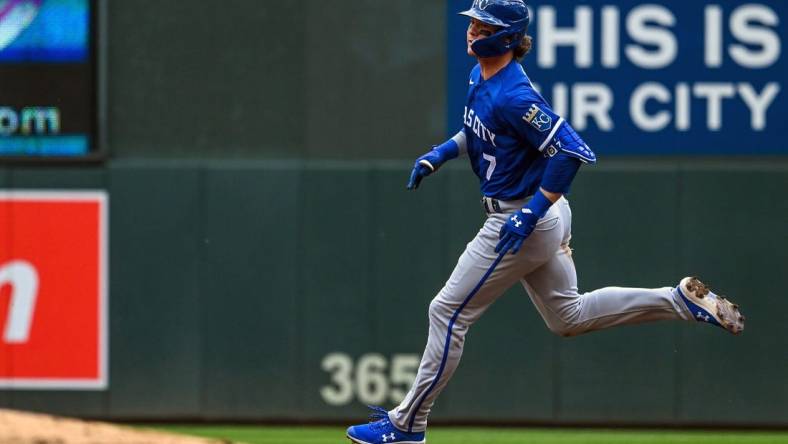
727	313
698	288
732	317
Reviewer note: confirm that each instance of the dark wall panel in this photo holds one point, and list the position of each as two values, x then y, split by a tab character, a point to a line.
337	297
733	235
252	79
408	239
375	78
623	234
249	281
218	79
155	297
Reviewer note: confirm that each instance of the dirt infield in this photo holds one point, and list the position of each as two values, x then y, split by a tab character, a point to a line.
32	428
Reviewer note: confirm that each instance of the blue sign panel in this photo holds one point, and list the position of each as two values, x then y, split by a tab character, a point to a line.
44	30
650	78
47	73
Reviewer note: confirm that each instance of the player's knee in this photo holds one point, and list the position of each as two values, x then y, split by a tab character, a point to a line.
439	311
436	310
562	329
567	320
566	324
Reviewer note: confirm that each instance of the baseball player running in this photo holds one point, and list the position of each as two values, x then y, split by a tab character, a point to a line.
526	157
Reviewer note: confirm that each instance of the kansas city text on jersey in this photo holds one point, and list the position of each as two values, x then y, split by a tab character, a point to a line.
476	125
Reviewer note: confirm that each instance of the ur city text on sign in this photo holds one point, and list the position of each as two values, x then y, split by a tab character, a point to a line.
53	290
659	77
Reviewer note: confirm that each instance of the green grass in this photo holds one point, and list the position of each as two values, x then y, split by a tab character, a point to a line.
440	435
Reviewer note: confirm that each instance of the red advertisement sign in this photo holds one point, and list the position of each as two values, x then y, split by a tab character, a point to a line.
53	290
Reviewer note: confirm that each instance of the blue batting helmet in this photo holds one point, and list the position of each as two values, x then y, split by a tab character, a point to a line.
510	15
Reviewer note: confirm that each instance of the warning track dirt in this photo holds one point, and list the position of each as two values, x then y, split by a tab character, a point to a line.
32	428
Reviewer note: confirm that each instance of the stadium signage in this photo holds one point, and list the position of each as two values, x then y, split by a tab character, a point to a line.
48	72
666	77
53	290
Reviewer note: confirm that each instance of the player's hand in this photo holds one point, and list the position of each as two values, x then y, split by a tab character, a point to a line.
430	162
425	165
516	230
419	172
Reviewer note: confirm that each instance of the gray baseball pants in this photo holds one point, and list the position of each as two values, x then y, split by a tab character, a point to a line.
545	268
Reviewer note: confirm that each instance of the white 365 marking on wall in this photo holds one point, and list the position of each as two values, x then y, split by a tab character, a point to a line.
23	278
367	379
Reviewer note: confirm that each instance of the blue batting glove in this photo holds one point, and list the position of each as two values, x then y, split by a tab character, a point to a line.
425	165
419	172
516	230
522	223
430	162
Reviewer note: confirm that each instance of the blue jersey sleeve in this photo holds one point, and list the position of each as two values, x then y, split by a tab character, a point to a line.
532	119
567	141
560	172
537	124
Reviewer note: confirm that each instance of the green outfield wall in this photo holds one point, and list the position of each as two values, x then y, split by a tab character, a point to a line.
266	262
294	79
262	290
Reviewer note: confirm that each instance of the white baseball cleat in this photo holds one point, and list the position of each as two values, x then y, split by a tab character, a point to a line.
709	307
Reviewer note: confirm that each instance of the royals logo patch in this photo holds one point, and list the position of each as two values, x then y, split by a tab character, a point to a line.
538	119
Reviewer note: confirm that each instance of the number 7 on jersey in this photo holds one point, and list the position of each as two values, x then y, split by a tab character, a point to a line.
490	168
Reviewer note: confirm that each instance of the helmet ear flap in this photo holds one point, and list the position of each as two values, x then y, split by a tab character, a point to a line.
514	38
498	44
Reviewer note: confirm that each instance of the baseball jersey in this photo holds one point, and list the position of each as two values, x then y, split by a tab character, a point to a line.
512	132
